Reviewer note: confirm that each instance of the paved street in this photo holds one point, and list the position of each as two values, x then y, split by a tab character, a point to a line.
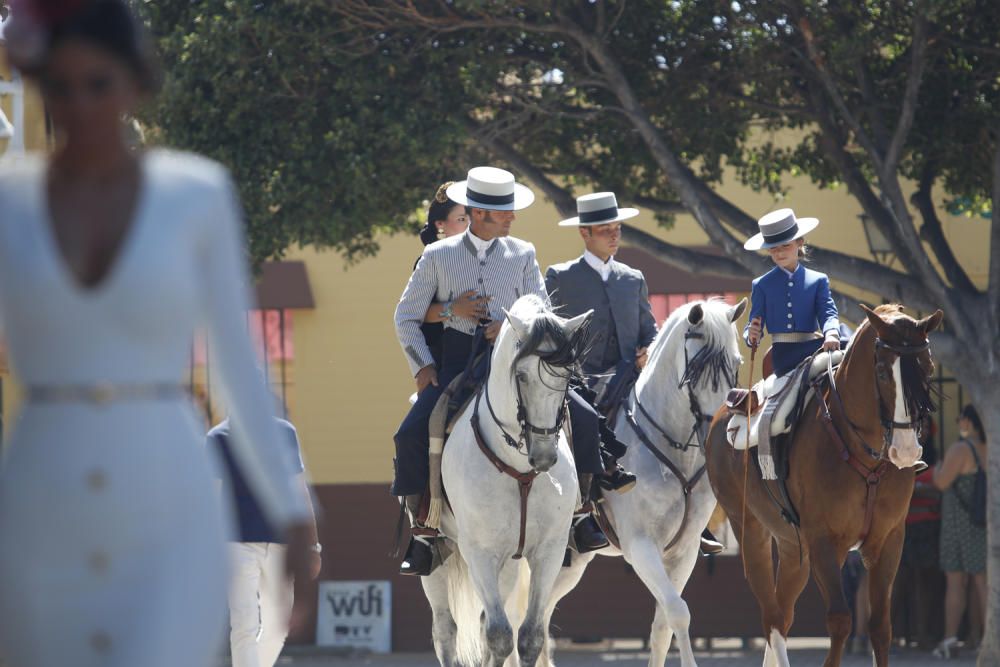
803	654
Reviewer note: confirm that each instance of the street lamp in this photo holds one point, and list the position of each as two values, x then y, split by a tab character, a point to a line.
879	246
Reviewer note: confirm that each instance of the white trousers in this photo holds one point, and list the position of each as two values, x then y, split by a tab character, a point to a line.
260	603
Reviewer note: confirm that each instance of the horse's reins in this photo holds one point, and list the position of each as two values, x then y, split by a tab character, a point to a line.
872	476
525	480
687	485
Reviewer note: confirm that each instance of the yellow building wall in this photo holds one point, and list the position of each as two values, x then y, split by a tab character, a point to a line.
352	381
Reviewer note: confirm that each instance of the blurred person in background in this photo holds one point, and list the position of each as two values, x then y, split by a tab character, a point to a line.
260	597
963	542
110	259
918	592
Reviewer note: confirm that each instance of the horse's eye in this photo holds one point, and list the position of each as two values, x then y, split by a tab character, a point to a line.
522	376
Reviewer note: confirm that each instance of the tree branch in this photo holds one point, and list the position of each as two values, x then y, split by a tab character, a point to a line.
993	286
816	65
685	258
917	65
932	232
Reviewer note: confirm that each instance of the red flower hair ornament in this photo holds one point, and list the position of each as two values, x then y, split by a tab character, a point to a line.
29	25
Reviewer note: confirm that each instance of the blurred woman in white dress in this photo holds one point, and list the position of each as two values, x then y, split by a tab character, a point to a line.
111	538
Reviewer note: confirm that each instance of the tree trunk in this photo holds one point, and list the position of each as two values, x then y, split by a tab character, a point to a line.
989	411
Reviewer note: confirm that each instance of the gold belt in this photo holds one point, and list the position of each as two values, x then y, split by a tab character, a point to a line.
796	337
104	392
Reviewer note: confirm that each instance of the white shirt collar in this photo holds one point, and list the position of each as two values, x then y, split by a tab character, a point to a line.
602	268
791	273
480	245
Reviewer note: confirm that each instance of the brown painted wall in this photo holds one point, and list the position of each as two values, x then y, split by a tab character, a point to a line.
357	533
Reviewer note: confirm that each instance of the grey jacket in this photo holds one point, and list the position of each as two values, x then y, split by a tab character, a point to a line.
574	287
451	266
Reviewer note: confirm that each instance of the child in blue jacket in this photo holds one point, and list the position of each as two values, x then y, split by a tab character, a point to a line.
792	302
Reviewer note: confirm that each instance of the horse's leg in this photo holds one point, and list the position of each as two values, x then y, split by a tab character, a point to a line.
826	567
566	581
484	570
443	628
880	579
678	566
758	567
791	579
647	559
545	562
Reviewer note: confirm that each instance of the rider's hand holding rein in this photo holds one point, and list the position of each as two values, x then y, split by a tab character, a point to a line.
831	342
492	330
426	376
753	333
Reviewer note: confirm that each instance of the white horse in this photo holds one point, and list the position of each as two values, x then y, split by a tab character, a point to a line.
692	364
518	418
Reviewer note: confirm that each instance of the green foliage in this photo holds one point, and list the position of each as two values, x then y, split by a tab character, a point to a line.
338	127
328	149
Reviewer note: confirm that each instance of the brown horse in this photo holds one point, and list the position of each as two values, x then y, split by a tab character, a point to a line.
840	481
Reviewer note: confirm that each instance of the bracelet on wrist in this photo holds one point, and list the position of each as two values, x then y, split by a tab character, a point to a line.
446	312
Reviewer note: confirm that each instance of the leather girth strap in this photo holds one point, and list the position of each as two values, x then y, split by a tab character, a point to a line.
687	485
524	481
872	476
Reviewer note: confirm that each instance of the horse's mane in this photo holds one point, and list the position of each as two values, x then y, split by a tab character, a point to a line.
918	392
716	328
547	326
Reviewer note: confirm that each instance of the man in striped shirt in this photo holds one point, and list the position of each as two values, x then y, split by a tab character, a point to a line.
502	268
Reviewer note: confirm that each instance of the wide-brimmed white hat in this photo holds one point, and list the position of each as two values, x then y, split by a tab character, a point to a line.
598	208
492	189
779	227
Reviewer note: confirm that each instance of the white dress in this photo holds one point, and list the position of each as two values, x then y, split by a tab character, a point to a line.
111	535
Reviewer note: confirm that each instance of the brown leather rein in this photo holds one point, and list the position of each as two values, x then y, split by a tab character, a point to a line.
525	480
872	475
687	485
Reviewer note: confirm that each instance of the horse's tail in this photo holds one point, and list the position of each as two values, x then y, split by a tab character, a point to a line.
467	610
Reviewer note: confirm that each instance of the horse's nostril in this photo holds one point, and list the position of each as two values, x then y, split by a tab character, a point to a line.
531	460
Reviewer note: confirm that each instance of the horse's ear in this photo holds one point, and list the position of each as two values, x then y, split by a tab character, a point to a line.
875	320
522	328
931	322
573	324
737	310
696	314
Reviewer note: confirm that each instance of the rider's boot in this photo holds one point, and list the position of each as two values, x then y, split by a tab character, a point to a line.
615	477
586	533
709	545
419	555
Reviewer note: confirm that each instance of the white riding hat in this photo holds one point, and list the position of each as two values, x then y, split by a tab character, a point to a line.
779	227
492	189
598	208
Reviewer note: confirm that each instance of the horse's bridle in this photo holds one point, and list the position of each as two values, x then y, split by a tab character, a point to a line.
889	425
701	420
524	425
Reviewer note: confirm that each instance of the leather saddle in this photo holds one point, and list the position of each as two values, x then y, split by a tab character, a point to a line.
776	401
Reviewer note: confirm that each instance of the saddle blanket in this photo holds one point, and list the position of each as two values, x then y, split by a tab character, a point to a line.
778	396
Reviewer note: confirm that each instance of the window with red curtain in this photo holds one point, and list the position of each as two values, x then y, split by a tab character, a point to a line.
271	334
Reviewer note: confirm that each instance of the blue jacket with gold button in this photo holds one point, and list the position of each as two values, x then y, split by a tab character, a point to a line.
800	302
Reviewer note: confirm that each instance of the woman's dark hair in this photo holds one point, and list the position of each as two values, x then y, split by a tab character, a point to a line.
439	210
107	24
969	412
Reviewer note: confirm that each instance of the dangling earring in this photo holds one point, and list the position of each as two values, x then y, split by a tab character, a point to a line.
440	233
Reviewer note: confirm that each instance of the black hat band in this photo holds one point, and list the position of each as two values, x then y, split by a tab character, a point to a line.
605	214
490	200
782	236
